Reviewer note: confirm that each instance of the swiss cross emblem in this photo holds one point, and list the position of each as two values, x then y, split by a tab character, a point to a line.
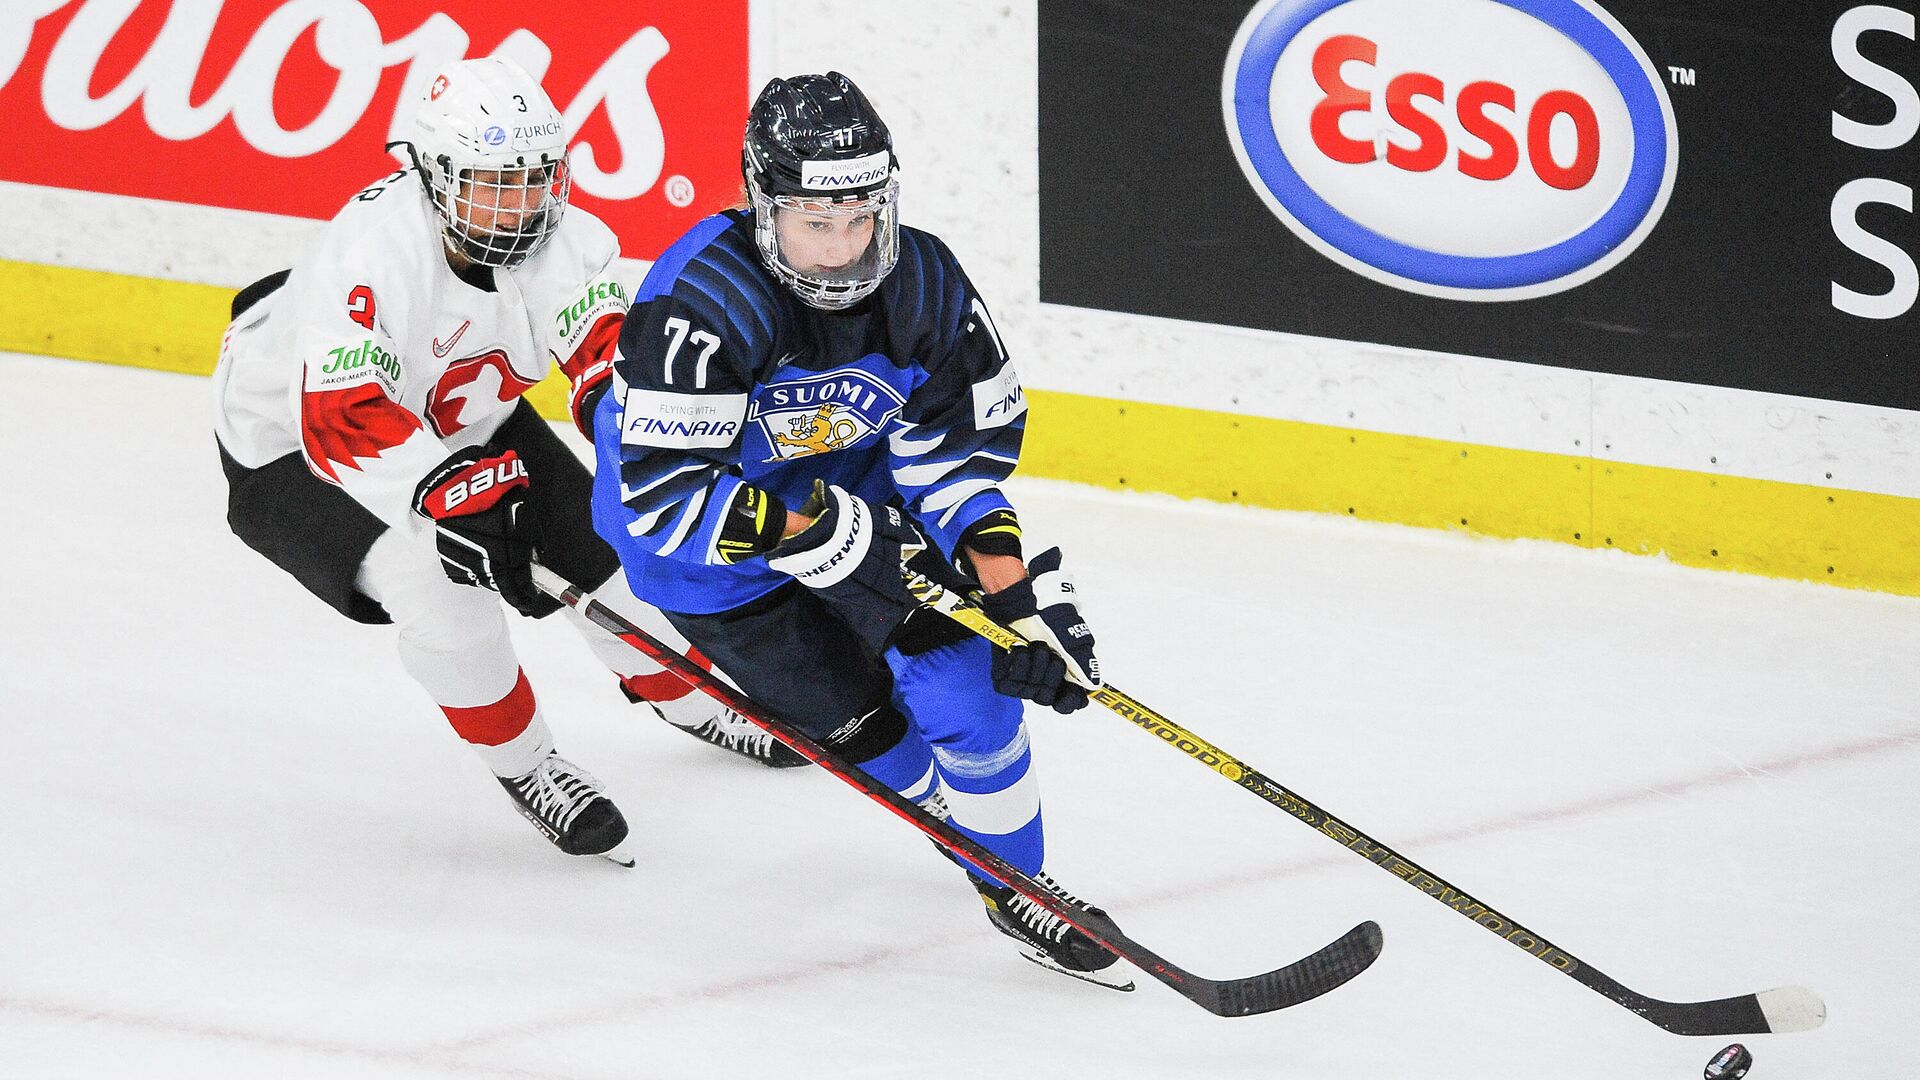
472	390
439	87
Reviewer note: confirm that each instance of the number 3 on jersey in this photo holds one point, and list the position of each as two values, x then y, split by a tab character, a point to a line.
360	306
677	331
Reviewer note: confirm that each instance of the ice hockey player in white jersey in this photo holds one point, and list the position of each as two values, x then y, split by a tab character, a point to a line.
377	447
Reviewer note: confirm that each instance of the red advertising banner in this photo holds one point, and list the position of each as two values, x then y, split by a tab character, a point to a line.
285	106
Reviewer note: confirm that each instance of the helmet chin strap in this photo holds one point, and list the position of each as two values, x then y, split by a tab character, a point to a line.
456	258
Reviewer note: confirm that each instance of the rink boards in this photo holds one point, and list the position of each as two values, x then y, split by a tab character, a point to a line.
1851	538
1773	445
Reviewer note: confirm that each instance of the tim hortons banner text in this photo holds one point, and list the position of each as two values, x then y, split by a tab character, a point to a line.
284	106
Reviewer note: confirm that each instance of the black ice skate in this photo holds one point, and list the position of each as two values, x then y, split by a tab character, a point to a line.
566	805
1047	938
711	722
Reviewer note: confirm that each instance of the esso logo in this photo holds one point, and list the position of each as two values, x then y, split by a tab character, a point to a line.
1468	149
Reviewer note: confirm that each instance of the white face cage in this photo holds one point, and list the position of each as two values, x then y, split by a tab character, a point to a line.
842	286
498	216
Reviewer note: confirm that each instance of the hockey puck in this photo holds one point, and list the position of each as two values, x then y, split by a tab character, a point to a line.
1730	1063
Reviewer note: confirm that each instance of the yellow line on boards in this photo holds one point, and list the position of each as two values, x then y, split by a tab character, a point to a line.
111	318
1855	539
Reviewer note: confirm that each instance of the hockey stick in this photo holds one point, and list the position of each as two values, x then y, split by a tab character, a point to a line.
1790	1008
1303	980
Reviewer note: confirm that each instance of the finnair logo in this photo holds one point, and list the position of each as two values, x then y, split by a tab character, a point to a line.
844	175
655	418
998	400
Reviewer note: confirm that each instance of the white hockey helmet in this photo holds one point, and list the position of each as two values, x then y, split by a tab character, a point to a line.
492	151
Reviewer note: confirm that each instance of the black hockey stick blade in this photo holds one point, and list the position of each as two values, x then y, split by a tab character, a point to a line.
1791	1008
1307	978
1300	981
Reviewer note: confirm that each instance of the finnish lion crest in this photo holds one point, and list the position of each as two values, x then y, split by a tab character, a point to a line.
823	413
817	433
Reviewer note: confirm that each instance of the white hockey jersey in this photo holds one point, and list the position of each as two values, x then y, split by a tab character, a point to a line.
376	361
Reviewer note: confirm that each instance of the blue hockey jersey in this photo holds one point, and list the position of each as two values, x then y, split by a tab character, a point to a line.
724	377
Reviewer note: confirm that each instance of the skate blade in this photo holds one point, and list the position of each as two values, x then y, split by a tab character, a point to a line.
1113	977
619	854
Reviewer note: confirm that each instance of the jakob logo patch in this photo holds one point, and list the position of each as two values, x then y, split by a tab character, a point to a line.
823	413
351	363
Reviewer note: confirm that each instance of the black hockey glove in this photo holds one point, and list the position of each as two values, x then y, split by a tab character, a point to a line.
851	557
483	533
1057	664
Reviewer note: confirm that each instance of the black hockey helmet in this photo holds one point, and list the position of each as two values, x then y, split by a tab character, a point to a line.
816	148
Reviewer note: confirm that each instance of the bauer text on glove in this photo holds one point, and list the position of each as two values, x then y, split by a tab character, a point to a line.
478	508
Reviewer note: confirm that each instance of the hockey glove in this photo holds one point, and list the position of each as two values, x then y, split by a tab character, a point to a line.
482	531
589	370
851	557
751	526
585	393
1057	664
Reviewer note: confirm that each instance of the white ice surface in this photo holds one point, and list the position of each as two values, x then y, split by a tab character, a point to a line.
236	841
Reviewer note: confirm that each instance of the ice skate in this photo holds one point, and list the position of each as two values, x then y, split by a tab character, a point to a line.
709	721
1046	938
566	805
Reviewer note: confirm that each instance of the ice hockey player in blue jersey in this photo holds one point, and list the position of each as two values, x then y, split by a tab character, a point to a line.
807	393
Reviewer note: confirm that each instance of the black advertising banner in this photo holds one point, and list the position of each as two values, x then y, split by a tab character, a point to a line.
1698	190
